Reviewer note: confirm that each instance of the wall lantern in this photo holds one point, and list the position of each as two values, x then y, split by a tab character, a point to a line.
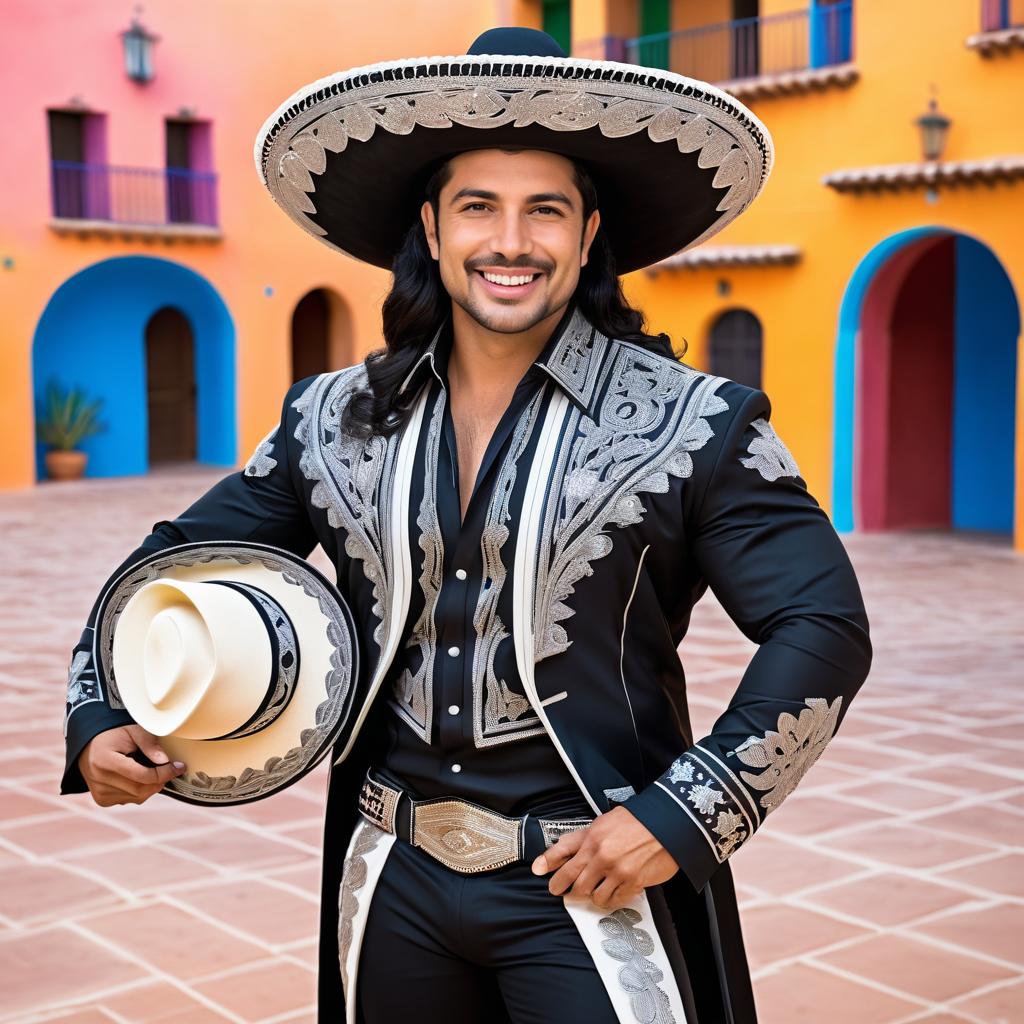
934	129
138	50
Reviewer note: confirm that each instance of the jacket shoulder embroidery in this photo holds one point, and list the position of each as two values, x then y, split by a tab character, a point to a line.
767	453
653	413
352	479
260	462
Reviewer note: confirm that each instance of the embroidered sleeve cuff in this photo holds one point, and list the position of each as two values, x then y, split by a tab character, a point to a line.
699	811
660	814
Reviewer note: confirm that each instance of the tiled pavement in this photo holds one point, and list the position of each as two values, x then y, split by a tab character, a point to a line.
888	889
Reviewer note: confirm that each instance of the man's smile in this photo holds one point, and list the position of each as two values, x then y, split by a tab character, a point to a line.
509	284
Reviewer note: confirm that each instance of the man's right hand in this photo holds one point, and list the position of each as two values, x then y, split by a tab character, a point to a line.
115	777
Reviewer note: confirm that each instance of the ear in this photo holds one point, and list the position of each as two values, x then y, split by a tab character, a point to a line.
430	228
589	231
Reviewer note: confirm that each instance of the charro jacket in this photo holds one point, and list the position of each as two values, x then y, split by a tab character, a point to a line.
637	482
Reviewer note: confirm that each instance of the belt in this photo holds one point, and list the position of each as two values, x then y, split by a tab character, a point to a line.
462	835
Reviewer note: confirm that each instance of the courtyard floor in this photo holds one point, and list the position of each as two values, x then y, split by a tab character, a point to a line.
888	889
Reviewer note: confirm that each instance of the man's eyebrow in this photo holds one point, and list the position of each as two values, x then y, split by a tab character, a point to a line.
537	197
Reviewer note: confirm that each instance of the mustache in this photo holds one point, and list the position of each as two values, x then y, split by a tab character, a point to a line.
519	264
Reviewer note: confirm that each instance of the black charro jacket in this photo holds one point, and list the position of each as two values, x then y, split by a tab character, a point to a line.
639	483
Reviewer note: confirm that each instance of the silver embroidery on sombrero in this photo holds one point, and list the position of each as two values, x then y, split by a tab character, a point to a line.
260	462
787	753
251	781
639	976
767	453
500	715
567	96
352	479
652	415
413	692
353	878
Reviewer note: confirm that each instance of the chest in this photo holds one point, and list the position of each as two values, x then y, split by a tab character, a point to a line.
473	426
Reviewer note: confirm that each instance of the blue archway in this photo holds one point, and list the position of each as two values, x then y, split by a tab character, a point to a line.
986	327
92	335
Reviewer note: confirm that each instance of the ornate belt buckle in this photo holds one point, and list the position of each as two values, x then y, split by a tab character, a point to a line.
377	803
464	837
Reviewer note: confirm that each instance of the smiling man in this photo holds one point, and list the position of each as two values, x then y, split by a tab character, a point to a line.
524	494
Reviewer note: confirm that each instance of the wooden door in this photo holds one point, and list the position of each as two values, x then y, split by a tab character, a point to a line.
311	335
171	387
736	347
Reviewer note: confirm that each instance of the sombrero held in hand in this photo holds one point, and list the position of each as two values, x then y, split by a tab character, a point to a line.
240	657
674	159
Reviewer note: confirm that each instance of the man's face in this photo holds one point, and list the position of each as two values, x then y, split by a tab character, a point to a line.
509	236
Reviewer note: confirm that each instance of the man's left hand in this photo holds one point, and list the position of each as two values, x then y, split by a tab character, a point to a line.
611	861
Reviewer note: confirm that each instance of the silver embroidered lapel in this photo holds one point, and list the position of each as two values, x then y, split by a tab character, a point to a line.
652	415
767	454
413	693
500	715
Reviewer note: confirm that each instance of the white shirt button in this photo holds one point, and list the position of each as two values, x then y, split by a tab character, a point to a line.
456	768
453	709
453	652
461	574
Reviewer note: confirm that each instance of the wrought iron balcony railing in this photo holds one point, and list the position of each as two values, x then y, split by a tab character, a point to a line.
749	47
140	196
998	15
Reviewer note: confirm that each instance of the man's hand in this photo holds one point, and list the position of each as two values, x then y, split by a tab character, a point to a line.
114	776
610	861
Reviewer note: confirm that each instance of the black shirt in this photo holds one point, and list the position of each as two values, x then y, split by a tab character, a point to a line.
461	724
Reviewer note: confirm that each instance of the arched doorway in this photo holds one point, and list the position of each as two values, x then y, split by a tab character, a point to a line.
170	387
321	334
735	347
112	331
926	388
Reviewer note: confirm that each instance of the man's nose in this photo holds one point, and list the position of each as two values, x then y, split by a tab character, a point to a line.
512	236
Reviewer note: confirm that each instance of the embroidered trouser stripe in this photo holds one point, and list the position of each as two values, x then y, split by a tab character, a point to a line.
631	959
364	862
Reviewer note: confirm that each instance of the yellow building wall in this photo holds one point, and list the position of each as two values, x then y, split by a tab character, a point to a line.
871	122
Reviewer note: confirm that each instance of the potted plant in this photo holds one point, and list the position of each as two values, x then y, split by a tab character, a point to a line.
67	420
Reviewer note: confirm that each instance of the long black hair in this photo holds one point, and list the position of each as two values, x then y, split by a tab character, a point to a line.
418	304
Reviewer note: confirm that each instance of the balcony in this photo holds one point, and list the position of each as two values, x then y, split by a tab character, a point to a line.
170	203
752	57
1002	27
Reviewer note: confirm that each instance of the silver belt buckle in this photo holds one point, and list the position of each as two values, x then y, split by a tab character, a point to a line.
466	838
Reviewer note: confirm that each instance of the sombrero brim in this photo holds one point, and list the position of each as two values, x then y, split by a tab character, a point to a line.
674	159
248	768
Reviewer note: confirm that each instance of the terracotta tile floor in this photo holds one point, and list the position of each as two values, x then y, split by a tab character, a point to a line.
888	889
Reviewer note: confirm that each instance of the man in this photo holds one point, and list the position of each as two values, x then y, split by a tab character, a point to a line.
524	495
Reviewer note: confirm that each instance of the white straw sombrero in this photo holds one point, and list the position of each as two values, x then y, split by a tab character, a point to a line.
674	159
241	657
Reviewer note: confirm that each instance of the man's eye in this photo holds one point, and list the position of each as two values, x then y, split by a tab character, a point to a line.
475	206
547	209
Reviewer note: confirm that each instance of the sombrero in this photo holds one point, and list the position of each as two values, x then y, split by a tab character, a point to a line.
240	657
674	159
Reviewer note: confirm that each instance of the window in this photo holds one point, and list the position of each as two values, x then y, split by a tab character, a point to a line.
557	22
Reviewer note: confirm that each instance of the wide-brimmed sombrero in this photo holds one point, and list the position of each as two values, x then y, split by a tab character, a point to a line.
674	159
242	658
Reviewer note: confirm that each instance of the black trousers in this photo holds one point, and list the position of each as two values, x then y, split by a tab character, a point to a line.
446	948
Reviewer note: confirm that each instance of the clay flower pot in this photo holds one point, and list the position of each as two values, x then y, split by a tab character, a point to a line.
65	465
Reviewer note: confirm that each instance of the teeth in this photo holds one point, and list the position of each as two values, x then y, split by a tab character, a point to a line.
505	280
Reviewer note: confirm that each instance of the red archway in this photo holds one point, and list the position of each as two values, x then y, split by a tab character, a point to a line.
905	390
